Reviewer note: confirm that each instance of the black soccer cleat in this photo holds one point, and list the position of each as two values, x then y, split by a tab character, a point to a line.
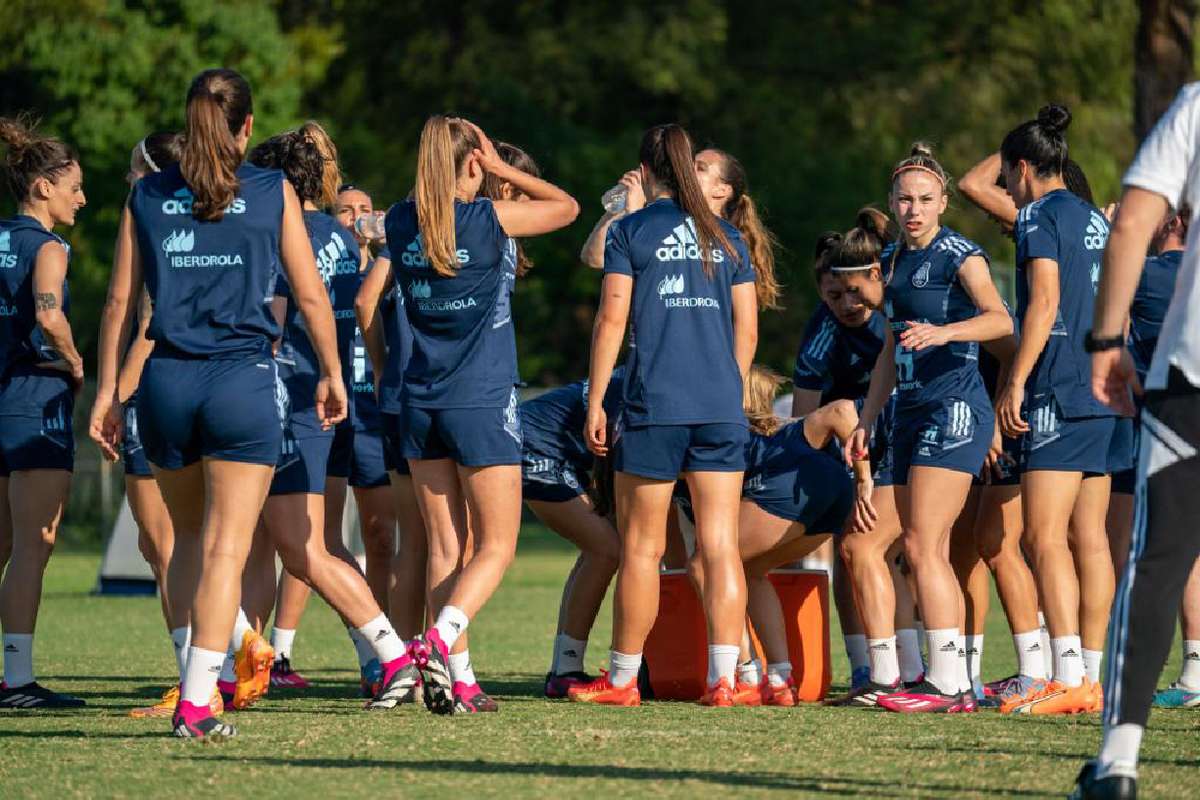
1112	787
34	696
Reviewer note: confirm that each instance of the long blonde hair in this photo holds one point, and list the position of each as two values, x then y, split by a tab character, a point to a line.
758	399
742	213
445	144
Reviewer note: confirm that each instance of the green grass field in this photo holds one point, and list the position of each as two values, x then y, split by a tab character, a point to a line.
114	653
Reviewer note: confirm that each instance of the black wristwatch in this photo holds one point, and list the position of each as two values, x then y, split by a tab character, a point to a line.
1093	345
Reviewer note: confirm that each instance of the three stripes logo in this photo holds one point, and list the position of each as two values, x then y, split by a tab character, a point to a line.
681	245
179	242
5	239
1096	235
7	260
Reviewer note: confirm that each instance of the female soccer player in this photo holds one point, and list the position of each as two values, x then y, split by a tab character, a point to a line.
685	277
210	232
459	426
40	371
555	481
940	302
1071	441
294	515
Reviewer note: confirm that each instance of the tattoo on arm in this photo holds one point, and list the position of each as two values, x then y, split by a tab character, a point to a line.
45	301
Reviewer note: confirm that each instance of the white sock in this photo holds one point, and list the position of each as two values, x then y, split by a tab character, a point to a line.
228	673
1189	676
383	639
362	647
180	639
722	662
1047	650
18	659
460	668
568	654
885	666
281	642
908	651
1068	660
1091	664
200	675
451	622
974	648
750	672
779	672
624	667
919	627
856	651
945	664
240	626
1031	661
1119	751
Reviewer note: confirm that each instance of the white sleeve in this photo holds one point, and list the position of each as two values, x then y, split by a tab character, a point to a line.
1164	160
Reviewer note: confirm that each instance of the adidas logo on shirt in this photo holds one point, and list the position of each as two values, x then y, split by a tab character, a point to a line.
681	245
5	238
179	242
7	260
335	259
1096	235
414	254
181	203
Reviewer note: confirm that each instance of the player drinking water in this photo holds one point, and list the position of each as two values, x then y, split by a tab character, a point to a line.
940	302
459	428
40	371
685	278
1070	440
209	234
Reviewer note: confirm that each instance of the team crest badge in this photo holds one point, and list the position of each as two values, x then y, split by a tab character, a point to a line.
921	277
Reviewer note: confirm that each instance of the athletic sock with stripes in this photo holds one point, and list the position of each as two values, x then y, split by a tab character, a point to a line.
945	663
1031	661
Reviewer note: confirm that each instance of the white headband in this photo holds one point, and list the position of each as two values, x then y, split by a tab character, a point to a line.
146	156
859	268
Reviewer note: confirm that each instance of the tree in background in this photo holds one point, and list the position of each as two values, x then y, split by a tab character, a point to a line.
1164	58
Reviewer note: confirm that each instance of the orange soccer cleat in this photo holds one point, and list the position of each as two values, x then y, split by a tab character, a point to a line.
603	692
748	694
252	664
784	695
719	695
1057	698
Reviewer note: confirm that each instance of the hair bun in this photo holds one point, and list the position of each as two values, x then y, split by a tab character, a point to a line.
921	149
1054	118
18	134
826	242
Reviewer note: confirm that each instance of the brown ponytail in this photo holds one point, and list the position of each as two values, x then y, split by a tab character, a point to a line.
218	103
445	144
493	188
758	399
29	156
667	151
331	174
741	211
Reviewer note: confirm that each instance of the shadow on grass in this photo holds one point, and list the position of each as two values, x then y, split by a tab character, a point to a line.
78	734
1078	756
817	784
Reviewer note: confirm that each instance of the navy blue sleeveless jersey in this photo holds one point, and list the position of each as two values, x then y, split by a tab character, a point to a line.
1149	307
552	423
21	340
211	283
837	360
464	352
1072	232
337	256
924	287
683	370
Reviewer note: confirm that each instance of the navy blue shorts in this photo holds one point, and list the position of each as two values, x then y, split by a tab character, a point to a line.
1091	445
341	451
369	464
193	408
393	458
472	437
35	423
132	453
303	464
951	434
818	495
548	479
664	452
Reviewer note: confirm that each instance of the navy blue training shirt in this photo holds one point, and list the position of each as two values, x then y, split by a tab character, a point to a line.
1072	232
21	340
683	370
924	287
337	256
1150	302
464	352
552	423
211	283
835	359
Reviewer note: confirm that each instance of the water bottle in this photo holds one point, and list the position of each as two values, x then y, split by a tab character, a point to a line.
370	226
614	199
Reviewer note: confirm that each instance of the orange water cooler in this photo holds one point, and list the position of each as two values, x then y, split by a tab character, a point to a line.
676	655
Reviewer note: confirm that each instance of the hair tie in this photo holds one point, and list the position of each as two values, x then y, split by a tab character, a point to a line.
146	156
859	268
907	167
